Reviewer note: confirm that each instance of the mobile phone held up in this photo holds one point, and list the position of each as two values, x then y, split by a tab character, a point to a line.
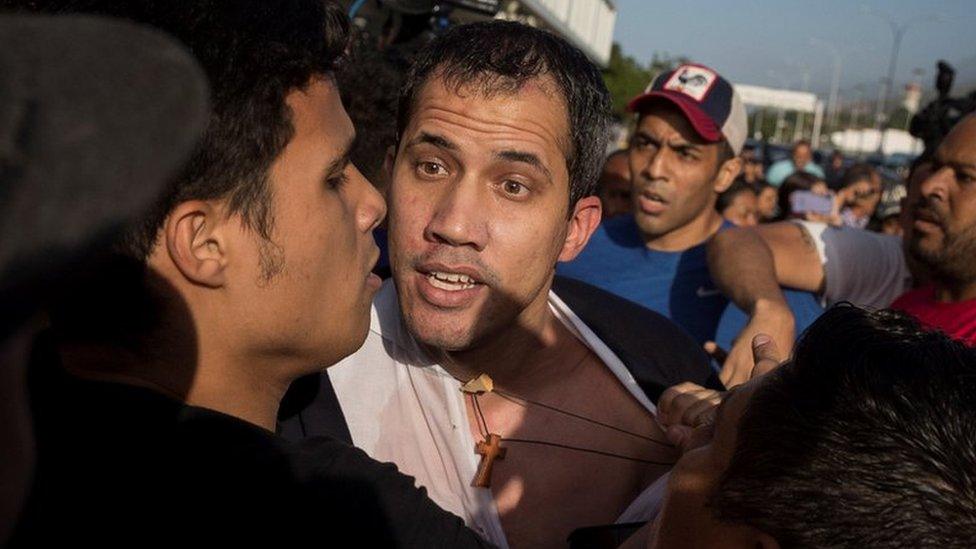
802	202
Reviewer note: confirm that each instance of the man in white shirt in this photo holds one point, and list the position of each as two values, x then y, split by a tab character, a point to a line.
501	135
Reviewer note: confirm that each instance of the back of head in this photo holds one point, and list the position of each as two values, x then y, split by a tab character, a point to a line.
253	53
499	57
737	187
867	439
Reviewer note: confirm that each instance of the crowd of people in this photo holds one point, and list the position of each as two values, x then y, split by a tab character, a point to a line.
216	330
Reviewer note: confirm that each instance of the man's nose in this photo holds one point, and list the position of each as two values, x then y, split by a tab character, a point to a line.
936	185
458	216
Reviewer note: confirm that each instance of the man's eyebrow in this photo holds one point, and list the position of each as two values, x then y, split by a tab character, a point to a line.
341	161
435	140
525	157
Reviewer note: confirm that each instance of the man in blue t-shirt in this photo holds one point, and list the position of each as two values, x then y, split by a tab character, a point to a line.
684	152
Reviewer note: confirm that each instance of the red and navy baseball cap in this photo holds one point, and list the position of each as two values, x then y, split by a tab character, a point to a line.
709	101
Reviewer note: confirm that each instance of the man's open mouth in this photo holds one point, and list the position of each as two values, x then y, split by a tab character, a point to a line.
451	282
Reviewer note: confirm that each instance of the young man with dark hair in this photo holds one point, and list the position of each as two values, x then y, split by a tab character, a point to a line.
691	126
157	391
870	269
614	186
492	381
864	439
738	204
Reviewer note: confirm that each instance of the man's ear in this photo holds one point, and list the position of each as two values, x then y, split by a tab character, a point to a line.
194	239
727	173
388	162
585	219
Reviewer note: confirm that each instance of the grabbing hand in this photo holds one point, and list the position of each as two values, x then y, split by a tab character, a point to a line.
684	408
775	322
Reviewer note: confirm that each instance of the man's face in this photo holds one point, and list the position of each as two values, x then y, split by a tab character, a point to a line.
674	172
942	208
752	169
866	194
478	210
316	305
802	155
685	520
743	210
615	187
767	202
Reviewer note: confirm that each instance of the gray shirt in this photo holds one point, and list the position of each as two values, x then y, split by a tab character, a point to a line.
863	267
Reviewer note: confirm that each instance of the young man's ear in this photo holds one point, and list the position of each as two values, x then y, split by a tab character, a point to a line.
194	239
727	173
388	162
584	221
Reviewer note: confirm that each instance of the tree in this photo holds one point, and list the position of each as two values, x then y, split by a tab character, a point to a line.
626	77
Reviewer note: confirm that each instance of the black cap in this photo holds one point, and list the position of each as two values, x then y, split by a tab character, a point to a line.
96	116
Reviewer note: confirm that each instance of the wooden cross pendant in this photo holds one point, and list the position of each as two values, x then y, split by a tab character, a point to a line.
490	450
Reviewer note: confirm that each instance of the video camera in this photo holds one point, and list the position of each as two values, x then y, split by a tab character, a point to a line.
938	117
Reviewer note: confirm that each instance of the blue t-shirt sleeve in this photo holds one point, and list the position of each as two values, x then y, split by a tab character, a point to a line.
806	309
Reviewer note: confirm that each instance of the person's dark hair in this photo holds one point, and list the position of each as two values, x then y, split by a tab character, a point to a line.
861	171
737	187
499	57
254	52
867	439
797	181
369	82
801	143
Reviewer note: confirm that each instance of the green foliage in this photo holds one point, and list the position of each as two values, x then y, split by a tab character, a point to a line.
626	77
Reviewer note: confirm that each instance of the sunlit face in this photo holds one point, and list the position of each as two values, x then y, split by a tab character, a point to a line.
941	208
767	203
685	520
674	172
479	210
802	155
743	210
316	306
615	187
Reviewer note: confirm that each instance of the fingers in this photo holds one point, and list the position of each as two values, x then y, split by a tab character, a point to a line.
716	352
765	354
738	367
686	404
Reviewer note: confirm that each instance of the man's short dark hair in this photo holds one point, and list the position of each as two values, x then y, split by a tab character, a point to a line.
867	439
254	53
726	197
499	57
802	143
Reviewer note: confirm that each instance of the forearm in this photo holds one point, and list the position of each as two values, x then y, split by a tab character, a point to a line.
743	268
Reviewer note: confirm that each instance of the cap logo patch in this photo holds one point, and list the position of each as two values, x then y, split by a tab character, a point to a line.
692	81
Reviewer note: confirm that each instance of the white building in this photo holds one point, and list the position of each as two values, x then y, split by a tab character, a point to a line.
587	24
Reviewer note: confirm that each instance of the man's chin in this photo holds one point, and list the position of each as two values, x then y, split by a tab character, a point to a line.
445	335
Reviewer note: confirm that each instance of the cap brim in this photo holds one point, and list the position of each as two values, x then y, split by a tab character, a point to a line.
703	124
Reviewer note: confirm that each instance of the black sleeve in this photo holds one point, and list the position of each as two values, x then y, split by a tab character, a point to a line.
373	501
657	352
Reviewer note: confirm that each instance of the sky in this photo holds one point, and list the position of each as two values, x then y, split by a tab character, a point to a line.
768	42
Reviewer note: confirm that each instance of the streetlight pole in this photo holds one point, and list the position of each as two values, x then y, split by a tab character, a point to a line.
834	81
898	32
